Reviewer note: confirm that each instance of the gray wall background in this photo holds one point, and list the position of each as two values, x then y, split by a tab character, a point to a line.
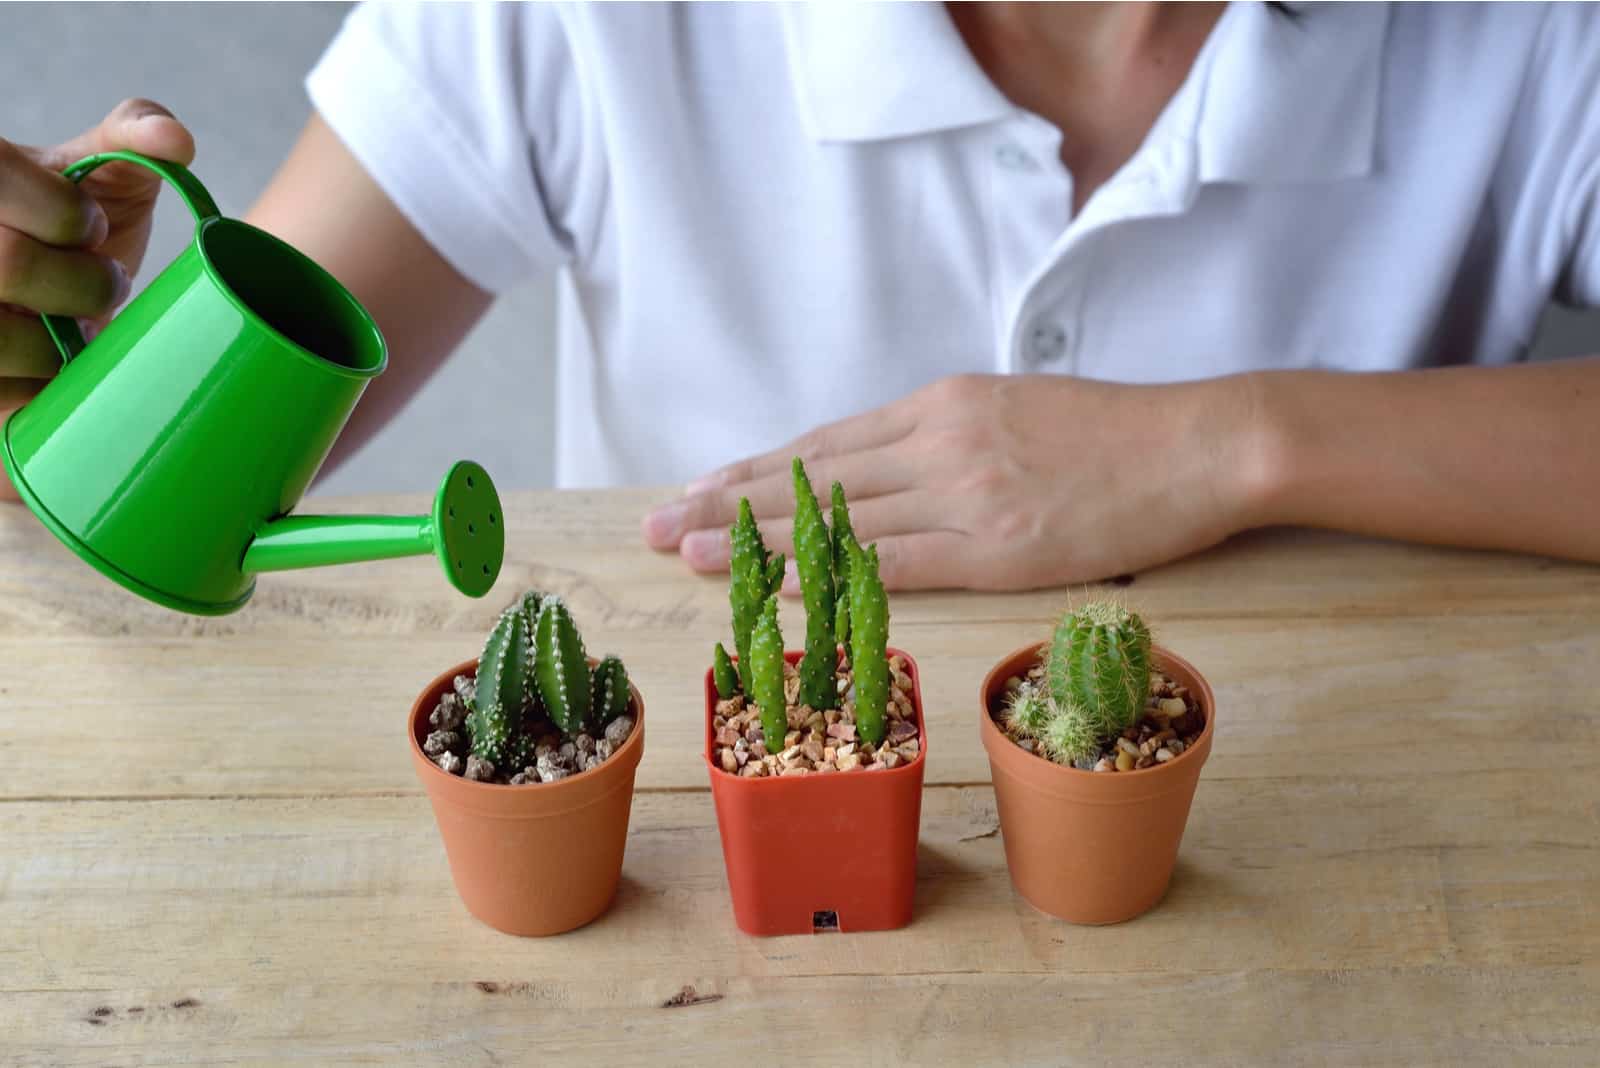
234	72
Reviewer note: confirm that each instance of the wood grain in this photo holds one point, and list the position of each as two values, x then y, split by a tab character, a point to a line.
214	851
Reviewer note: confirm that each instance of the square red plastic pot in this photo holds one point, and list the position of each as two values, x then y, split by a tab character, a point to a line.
810	853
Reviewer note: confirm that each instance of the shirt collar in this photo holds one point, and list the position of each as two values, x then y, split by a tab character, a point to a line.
1281	99
875	71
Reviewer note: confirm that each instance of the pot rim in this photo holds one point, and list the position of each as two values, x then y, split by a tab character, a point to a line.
625	756
994	736
910	767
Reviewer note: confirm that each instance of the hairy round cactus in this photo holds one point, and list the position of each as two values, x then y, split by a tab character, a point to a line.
766	676
561	667
503	694
1027	711
1069	737
611	696
723	672
1098	668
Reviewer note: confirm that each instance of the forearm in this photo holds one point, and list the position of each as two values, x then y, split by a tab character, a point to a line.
324	203
1486	457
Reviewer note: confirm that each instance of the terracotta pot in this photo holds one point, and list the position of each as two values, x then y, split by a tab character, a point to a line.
807	849
536	859
1091	847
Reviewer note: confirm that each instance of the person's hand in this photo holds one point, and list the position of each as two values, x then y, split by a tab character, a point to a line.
1004	482
69	249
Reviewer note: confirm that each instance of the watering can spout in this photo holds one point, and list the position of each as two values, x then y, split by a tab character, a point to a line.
466	531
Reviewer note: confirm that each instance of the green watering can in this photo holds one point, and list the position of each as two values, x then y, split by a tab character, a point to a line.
170	450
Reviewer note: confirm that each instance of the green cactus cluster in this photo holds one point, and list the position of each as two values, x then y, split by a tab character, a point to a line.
534	666
844	601
1096	682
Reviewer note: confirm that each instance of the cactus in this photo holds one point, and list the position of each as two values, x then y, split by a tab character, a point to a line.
841	619
1098	671
869	644
561	667
754	576
813	558
610	695
766	675
504	691
1028	711
843	536
723	672
1069	737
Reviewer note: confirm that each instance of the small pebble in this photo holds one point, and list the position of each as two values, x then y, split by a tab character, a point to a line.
617	730
439	741
479	770
553	774
584	743
449	713
466	688
1164	754
449	763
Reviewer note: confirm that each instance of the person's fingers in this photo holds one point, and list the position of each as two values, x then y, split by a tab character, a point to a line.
928	560
14	393
135	125
860	433
40	203
26	351
864	475
58	281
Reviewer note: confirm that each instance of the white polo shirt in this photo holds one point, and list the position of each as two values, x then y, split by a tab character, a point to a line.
773	217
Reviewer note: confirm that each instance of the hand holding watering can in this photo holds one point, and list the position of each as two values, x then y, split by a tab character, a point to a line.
169	452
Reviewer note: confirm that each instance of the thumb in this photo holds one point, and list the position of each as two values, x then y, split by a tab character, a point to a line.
136	125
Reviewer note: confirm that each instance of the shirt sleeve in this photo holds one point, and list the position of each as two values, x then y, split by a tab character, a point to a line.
1567	111
467	116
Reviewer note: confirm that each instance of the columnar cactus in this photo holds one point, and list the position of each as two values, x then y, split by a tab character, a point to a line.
766	675
561	667
843	536
869	644
504	691
813	559
610	695
754	576
1098	675
722	671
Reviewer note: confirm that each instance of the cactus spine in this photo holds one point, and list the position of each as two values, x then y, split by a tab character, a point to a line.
766	675
561	667
754	576
610	695
869	644
504	691
813	558
723	672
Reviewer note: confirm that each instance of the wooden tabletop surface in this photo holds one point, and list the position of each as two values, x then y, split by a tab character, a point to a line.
214	850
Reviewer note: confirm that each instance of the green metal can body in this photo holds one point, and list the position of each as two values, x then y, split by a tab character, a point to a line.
200	414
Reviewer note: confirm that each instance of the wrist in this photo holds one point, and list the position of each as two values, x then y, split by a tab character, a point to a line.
1261	451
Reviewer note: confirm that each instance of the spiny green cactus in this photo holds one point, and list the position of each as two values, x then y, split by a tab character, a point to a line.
1028	710
843	536
754	576
841	619
1068	737
1098	671
723	672
504	691
609	696
561	667
766	675
869	644
813	558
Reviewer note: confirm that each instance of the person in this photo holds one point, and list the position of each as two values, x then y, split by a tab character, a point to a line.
1058	292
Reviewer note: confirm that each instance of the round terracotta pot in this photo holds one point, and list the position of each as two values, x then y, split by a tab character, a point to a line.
537	859
1091	847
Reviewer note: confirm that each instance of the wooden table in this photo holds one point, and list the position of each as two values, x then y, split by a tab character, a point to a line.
214	850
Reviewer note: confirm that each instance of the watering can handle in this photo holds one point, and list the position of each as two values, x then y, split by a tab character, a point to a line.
64	329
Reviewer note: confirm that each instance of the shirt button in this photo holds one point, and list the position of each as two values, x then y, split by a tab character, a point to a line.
1013	158
1047	341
